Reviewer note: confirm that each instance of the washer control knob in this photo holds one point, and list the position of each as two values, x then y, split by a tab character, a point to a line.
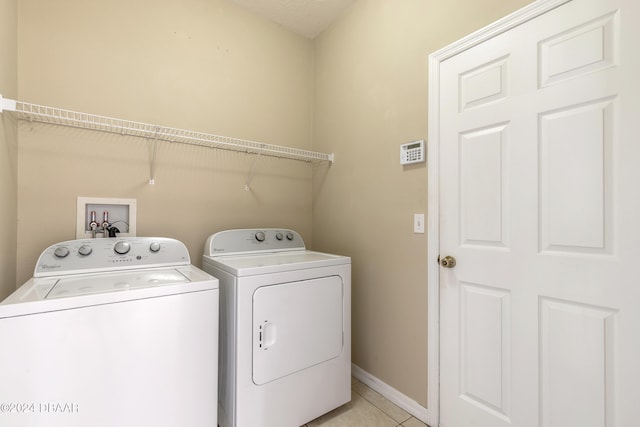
289	235
61	252
85	250
279	236
259	236
122	247
154	247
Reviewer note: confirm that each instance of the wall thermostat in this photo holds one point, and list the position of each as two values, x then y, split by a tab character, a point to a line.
412	152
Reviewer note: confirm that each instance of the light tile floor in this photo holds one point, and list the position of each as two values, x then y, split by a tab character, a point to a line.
366	409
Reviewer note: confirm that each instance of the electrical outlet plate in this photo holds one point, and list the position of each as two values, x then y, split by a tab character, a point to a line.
122	214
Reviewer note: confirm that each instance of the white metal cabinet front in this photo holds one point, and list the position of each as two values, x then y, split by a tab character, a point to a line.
143	362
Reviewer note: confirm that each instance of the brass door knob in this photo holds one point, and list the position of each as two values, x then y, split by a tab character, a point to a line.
448	262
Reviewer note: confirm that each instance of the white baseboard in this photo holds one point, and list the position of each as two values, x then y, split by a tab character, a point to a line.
403	401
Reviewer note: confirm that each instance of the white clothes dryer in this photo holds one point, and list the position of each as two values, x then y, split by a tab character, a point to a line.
111	332
285	328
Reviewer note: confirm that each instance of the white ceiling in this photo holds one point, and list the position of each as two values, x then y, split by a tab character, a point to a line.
305	17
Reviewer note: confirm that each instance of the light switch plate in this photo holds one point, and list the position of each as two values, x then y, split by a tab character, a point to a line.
418	223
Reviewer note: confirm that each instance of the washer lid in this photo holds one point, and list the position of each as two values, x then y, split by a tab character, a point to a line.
114	282
38	295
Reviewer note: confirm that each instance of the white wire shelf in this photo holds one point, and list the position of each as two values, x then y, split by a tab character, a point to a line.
61	117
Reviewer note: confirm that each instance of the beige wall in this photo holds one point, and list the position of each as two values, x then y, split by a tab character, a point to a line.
359	90
8	148
204	65
371	96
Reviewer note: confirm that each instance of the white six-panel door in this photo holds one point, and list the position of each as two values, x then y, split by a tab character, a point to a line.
539	202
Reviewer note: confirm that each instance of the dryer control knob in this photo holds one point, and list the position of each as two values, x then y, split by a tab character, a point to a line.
154	247
259	236
279	236
61	252
85	250
122	247
289	235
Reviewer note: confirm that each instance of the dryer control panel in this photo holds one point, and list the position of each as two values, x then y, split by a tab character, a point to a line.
95	255
253	240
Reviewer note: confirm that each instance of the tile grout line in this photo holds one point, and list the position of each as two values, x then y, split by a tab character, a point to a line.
376	406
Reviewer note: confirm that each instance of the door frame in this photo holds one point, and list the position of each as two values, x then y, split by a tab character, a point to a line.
531	11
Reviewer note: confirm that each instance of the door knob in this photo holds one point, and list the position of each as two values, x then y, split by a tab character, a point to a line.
448	262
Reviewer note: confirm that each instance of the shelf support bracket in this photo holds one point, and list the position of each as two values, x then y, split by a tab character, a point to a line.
247	184
152	166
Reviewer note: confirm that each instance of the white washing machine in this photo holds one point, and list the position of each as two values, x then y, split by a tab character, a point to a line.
111	332
285	328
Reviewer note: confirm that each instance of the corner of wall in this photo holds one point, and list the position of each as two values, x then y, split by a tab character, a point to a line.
8	148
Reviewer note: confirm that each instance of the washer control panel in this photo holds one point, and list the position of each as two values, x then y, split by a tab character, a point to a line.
93	255
253	240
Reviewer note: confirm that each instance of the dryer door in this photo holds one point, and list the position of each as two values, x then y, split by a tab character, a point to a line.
296	325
